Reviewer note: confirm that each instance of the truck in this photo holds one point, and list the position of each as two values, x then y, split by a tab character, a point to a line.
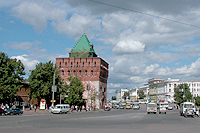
152	108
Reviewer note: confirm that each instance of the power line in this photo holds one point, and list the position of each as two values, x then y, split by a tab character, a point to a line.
175	21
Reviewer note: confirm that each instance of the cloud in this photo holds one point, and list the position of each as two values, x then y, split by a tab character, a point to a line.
128	47
27	61
37	14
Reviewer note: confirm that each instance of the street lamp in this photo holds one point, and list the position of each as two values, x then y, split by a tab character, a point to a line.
53	88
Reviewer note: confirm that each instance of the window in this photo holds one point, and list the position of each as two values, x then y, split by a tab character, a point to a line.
86	73
74	73
80	73
60	64
83	64
68	73
169	85
175	85
71	64
63	73
169	90
95	64
65	63
92	73
77	64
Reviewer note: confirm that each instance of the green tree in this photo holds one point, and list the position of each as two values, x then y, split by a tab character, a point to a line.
11	77
182	93
75	91
140	94
197	101
41	81
126	95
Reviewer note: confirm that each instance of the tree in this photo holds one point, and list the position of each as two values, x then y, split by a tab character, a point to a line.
41	81
11	77
75	91
182	93
197	101
140	94
126	95
114	98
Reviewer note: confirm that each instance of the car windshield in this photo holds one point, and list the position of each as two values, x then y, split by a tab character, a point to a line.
188	106
151	105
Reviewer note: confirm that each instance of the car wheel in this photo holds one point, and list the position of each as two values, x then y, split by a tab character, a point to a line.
2	114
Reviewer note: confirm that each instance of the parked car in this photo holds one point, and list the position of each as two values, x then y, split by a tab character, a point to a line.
107	108
14	111
2	111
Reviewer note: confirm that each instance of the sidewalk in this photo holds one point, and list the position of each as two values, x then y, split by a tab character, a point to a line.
38	111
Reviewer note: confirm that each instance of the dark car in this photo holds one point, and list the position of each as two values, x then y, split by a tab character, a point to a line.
2	111
14	111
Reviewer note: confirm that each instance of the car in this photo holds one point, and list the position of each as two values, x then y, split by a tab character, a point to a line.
162	110
189	112
61	108
2	112
136	106
107	108
14	111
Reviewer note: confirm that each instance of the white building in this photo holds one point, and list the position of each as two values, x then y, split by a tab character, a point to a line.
165	90
145	89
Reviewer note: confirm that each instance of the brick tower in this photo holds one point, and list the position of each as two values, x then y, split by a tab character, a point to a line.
92	70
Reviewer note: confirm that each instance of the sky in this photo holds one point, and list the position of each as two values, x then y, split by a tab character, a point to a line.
140	39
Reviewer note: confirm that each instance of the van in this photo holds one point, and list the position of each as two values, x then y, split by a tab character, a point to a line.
61	108
151	108
187	108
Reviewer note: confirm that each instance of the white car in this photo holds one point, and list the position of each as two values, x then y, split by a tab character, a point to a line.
61	108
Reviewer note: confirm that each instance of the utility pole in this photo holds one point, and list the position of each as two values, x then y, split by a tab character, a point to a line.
53	88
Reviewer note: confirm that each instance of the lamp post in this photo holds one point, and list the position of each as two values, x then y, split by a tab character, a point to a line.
53	88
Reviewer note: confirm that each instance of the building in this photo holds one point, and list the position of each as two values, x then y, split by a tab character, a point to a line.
153	87
145	89
164	90
92	70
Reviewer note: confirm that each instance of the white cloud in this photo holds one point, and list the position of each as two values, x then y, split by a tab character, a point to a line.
128	47
27	61
37	14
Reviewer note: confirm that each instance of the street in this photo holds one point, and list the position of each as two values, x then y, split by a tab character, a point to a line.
116	120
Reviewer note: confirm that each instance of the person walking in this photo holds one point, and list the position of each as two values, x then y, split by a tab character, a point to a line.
35	108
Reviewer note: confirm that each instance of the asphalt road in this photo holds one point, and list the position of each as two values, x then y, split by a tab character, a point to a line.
119	120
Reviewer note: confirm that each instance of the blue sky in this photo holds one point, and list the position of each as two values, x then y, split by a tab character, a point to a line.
136	45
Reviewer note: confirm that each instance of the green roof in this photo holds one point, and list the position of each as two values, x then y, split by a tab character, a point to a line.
82	46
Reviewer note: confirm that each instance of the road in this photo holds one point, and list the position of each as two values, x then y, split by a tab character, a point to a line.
119	120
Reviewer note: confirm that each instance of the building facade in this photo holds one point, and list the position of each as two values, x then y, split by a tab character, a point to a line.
165	90
92	70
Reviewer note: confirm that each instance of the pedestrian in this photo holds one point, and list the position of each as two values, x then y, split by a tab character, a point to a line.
50	109
72	108
46	107
80	108
35	108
